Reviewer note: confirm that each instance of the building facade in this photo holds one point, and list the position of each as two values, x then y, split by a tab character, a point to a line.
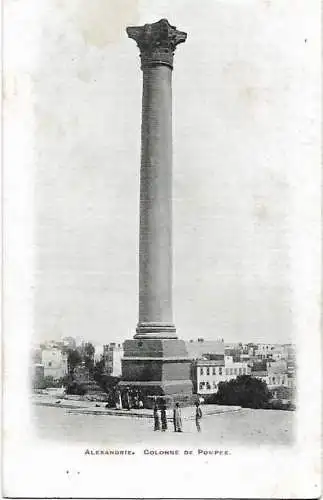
54	362
273	380
210	373
112	355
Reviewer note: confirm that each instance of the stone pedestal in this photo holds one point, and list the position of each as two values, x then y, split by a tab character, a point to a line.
158	367
156	360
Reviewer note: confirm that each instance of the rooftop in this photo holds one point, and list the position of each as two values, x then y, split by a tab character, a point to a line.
206	362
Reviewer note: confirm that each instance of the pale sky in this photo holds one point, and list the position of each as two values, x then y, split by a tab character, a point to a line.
242	134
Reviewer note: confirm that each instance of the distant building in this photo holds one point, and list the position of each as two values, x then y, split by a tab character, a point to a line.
273	380
99	349
270	351
69	343
215	362
279	366
54	362
247	350
233	345
208	374
37	373
289	352
36	356
290	357
291	381
233	350
112	355
274	369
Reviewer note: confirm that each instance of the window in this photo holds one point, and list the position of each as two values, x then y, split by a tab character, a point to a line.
231	371
227	371
208	371
213	370
49	363
220	371
201	386
201	371
240	371
208	386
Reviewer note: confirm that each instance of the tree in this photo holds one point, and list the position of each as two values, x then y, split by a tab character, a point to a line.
245	391
73	360
75	387
88	356
107	382
89	350
45	382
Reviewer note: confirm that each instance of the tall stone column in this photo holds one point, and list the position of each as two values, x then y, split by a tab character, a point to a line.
157	43
155	362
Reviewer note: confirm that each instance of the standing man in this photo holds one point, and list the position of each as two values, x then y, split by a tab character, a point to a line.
127	399
118	400
177	418
156	417
163	416
198	416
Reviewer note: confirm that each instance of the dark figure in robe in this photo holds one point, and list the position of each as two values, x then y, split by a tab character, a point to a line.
177	418
163	416
156	418
127	399
198	416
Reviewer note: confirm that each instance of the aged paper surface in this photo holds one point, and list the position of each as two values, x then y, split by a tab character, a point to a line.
247	237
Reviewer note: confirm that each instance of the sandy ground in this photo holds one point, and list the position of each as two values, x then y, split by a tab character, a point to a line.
240	428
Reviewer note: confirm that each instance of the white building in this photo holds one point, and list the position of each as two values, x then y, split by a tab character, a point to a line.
273	380
210	373
69	342
275	352
112	355
54	362
99	350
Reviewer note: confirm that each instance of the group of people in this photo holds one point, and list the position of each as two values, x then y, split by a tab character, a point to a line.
127	399
132	398
160	422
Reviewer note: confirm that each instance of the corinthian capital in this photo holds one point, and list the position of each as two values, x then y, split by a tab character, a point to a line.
157	42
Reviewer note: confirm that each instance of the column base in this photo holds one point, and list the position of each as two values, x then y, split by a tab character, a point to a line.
157	367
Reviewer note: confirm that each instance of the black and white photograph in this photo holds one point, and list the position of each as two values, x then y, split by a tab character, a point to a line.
161	249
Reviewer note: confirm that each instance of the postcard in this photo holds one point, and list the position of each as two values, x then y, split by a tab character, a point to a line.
162	249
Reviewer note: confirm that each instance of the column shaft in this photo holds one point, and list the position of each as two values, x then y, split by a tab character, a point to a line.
155	249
